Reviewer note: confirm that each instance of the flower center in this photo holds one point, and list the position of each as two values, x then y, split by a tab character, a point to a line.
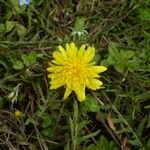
74	70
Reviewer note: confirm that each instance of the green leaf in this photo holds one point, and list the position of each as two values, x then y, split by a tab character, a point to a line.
141	126
113	50
32	57
79	24
29	59
111	60
82	124
18	65
120	67
144	14
47	132
84	138
104	144
2	28
127	54
25	59
21	30
16	8
91	104
133	142
14	2
9	25
31	120
47	121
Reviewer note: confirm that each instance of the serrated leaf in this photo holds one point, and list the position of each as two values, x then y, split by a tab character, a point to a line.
29	59
79	24
18	65
91	104
84	138
120	67
124	130
113	50
25	59
32	57
111	60
127	54
21	30
82	125
47	121
9	25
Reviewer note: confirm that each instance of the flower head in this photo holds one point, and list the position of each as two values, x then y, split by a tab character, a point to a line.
74	69
18	114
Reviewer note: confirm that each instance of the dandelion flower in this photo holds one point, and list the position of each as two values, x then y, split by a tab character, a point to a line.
18	114
74	69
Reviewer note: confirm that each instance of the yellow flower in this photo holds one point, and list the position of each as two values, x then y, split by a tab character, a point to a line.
73	68
18	114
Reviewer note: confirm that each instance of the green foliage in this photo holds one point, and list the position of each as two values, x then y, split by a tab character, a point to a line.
18	65
90	105
29	59
26	60
79	32
119	30
9	25
2	28
144	14
79	24
102	144
121	59
21	30
48	123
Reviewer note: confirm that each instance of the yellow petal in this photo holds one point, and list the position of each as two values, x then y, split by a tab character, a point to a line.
98	69
60	59
79	91
54	69
67	92
55	76
62	51
81	51
94	84
71	50
92	74
56	83
89	54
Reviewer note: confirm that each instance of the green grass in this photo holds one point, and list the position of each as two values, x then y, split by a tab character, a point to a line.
115	117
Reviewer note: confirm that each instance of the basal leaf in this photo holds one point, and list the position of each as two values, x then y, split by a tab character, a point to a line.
18	65
21	30
9	25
